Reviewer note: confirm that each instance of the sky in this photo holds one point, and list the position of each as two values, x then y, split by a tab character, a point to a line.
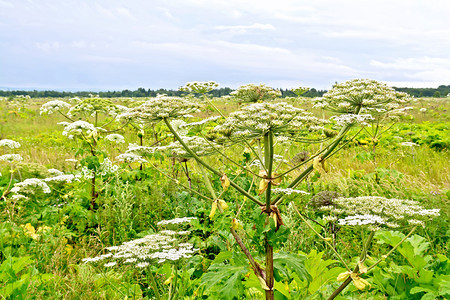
114	45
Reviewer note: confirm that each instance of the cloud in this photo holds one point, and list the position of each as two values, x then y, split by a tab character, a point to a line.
245	27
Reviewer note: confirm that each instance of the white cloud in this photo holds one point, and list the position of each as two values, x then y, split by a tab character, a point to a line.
245	27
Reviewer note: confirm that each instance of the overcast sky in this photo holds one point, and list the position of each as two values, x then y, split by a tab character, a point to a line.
112	44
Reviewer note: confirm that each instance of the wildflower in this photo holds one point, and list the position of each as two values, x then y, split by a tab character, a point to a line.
78	128
67	178
288	191
53	106
131	158
364	94
409	144
11	158
380	211
9	143
199	87
255	93
29	186
115	138
259	118
159	108
176	221
55	172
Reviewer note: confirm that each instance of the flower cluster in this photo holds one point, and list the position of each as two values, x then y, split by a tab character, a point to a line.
254	93
176	221
30	185
300	90
54	106
380	211
197	144
160	108
115	138
66	178
167	245
9	143
77	128
365	94
130	158
199	87
107	167
346	119
259	118
11	158
91	106
288	191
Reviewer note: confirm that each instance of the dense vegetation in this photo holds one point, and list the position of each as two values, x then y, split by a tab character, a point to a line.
77	188
441	91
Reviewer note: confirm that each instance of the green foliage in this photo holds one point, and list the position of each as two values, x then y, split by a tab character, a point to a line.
417	275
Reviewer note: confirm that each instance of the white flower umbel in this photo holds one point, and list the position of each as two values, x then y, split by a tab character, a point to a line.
197	144
361	220
254	93
9	143
53	106
78	128
199	87
346	97
115	138
345	119
153	248
160	108
131	158
55	172
392	212
176	221
67	178
257	119
409	144
30	185
11	158
288	191
107	167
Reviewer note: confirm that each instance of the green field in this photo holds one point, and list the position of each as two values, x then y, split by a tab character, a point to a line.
45	235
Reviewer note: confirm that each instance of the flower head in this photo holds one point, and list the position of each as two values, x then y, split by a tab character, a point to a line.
9	143
54	106
160	108
199	87
368	95
254	93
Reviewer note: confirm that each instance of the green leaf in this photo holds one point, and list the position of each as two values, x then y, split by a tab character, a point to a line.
282	262
277	237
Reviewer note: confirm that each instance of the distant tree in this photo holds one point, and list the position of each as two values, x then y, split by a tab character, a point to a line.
437	94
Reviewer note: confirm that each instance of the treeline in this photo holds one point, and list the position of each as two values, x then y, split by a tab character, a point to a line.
140	92
441	91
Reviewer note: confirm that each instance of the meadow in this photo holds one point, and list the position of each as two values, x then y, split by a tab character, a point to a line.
245	197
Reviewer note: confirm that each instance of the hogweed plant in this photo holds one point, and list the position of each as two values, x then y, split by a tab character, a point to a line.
89	119
266	132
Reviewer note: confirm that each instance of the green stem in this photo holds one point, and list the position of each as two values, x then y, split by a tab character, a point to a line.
362	258
153	283
198	159
268	161
207	181
329	150
324	239
212	104
392	250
